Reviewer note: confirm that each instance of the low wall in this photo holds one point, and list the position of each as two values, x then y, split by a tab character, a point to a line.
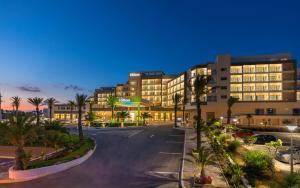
25	175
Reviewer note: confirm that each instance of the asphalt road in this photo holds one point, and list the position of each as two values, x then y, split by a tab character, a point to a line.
142	157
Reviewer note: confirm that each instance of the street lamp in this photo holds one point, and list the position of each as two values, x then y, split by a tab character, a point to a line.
221	118
292	128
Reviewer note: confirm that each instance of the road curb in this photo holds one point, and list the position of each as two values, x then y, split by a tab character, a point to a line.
38	172
181	184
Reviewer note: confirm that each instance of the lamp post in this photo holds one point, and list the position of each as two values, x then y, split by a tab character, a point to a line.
221	119
292	128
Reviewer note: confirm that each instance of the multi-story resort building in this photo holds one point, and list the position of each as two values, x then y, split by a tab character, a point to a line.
268	89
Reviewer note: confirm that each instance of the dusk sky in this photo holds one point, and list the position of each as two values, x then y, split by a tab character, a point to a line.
60	48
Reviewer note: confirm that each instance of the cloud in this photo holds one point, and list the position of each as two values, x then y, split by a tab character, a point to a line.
73	87
29	89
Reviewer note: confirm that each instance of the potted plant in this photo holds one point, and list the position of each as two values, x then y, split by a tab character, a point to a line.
202	158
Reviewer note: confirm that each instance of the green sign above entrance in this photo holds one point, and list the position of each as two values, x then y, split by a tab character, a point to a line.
129	102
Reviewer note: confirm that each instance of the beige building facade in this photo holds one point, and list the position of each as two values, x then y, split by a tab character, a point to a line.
268	88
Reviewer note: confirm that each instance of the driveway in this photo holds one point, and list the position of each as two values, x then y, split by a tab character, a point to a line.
135	157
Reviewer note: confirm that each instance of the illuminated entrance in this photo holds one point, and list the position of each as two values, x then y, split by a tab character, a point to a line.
131	102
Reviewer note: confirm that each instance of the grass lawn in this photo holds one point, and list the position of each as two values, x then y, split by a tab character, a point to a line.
77	152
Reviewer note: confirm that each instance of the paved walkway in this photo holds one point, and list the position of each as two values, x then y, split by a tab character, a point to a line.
189	169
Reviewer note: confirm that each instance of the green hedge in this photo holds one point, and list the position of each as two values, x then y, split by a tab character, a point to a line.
257	163
75	153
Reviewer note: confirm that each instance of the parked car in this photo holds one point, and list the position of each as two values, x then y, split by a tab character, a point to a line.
285	155
243	133
264	138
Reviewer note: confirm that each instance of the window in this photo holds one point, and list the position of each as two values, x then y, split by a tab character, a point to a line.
223	87
296	111
259	111
223	78
211	98
271	111
223	69
223	96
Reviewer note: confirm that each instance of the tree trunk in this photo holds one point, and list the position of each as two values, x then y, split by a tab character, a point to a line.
112	114
20	153
37	116
175	114
79	124
198	123
183	111
50	113
228	115
71	118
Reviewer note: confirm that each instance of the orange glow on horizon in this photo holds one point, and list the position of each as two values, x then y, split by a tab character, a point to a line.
24	106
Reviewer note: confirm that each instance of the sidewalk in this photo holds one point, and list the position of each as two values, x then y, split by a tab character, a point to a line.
189	168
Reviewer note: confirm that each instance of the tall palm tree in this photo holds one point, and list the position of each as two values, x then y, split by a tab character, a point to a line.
144	116
230	102
80	99
72	104
20	131
16	103
200	88
36	101
122	115
248	116
111	101
176	100
50	102
0	106
91	102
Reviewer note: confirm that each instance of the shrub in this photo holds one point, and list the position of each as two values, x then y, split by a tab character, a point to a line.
250	140
233	146
258	162
292	180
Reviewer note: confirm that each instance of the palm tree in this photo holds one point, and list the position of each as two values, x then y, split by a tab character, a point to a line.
230	102
111	101
91	102
176	100
144	116
20	131
248	116
50	102
80	99
202	158
184	101
0	107
122	115
16	103
36	101
72	104
200	88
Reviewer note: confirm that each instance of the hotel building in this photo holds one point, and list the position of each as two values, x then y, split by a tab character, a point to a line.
268	88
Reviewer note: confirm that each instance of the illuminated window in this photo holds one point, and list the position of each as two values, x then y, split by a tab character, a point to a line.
237	95
249	68
275	86
249	97
262	96
236	69
275	77
298	96
249	87
235	87
275	96
275	67
249	77
261	77
236	78
261	87
261	68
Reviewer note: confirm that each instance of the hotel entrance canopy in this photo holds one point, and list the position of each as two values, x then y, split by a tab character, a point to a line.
132	102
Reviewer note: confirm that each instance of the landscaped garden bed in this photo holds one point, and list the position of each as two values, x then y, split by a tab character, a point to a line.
79	150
